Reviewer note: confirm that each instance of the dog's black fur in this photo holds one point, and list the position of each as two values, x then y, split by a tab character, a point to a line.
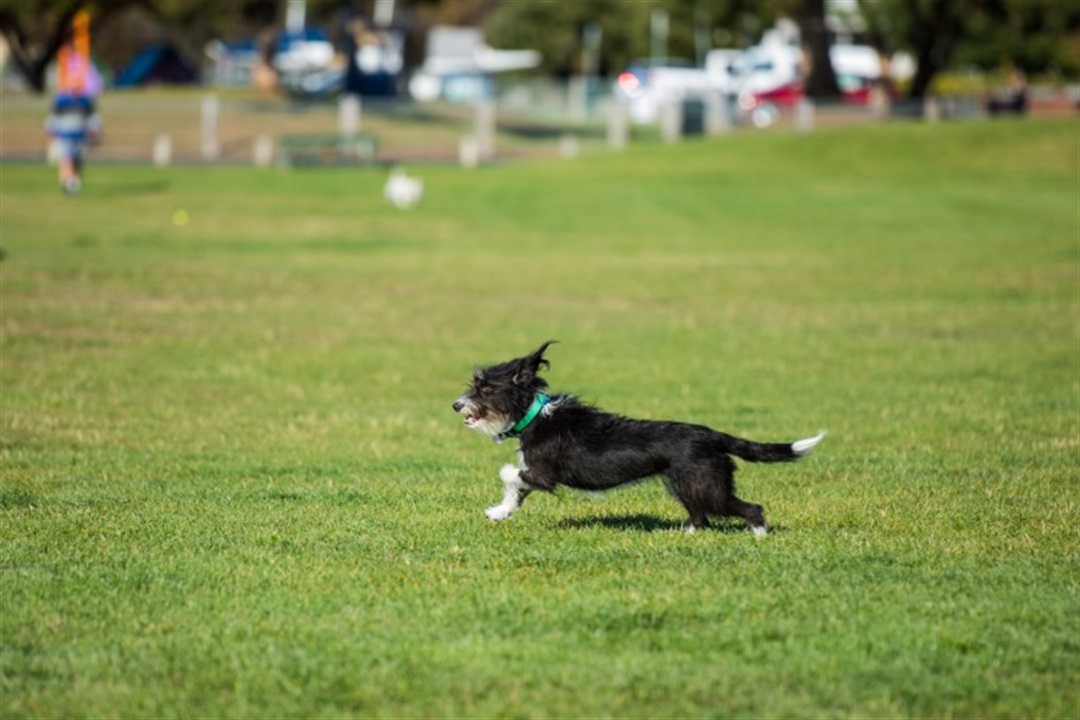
573	444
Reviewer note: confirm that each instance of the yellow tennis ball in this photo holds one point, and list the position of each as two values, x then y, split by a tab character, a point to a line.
180	218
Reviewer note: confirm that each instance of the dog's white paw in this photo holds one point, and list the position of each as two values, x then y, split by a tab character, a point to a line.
761	531
498	512
509	474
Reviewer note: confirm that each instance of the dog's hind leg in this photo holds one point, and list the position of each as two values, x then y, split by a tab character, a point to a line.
694	497
514	493
710	490
753	514
729	505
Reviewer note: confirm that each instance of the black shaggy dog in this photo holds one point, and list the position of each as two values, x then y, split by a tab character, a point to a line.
566	442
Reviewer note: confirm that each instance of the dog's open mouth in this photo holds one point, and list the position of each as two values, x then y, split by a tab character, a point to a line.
478	417
481	420
472	416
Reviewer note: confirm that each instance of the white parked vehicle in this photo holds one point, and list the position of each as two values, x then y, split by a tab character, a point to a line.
459	65
647	85
758	82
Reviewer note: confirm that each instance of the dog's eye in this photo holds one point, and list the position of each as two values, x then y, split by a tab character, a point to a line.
486	389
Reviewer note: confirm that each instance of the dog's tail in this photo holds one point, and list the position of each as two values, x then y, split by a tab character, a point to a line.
771	452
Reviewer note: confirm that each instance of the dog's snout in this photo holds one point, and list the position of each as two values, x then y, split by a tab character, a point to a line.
458	405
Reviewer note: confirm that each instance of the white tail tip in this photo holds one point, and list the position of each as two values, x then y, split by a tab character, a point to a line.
801	447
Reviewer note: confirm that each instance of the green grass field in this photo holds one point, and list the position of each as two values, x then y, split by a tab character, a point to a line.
232	484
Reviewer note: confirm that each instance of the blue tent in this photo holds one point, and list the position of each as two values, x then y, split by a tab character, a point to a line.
160	63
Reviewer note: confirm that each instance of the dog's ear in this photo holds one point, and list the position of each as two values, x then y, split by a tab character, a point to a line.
536	359
529	366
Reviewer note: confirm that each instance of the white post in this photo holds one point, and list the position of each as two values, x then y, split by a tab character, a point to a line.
804	115
485	128
348	123
931	109
569	148
349	115
578	97
469	152
211	118
671	121
162	154
262	151
618	131
717	121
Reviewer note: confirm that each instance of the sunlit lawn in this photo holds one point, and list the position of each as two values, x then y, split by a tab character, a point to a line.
232	484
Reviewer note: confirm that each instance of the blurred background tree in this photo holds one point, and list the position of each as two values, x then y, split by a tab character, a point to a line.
555	28
1037	36
35	29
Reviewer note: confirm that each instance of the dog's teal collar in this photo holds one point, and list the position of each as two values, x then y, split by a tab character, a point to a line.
538	404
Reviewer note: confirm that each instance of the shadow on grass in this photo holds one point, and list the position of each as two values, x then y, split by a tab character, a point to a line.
638	522
131	189
16	498
331	497
647	523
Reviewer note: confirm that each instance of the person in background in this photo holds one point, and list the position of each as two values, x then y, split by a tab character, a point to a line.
73	121
1013	99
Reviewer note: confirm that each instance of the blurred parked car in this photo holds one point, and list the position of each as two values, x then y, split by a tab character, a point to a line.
648	84
459	65
764	79
758	83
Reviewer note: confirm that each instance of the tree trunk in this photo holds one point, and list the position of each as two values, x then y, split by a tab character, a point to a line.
933	36
821	83
925	71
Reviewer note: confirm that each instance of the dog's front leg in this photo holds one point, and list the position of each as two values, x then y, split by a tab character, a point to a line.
514	493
